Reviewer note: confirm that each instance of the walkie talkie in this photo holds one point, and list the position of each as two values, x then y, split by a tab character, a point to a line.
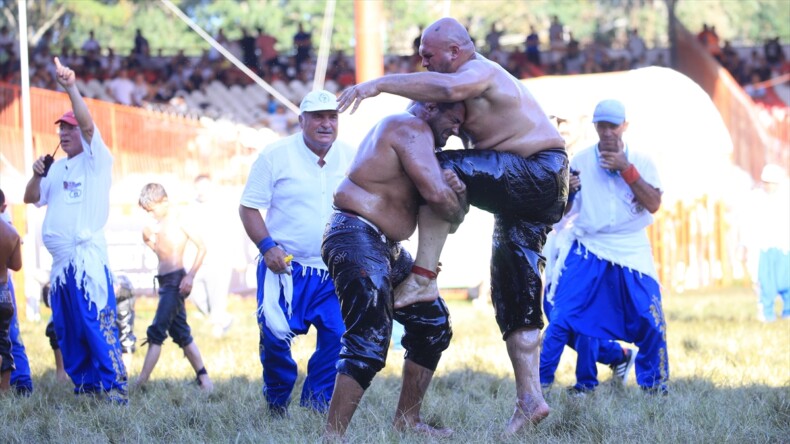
48	160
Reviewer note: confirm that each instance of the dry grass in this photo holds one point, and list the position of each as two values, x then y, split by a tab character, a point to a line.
730	383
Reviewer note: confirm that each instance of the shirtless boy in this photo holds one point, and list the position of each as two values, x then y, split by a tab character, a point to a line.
168	238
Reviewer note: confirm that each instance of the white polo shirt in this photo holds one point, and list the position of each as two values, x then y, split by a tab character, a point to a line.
76	192
297	193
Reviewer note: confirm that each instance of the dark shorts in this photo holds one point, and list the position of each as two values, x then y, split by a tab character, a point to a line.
171	315
365	267
6	316
527	196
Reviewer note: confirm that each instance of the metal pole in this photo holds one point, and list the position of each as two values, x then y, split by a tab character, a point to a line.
262	83
326	45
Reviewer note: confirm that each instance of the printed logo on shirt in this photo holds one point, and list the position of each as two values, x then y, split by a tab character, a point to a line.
74	190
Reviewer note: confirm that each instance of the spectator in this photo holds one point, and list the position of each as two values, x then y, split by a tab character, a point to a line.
415	44
492	38
141	92
303	44
604	282
533	46
214	219
268	53
248	53
91	46
121	88
774	54
291	180
42	46
556	39
636	48
755	88
213	54
768	244
140	44
76	193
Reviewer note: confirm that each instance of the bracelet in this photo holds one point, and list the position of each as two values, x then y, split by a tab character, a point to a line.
630	174
266	244
424	272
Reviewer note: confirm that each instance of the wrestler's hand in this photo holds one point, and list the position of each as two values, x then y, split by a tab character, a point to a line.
64	75
354	95
454	182
275	260
185	287
614	160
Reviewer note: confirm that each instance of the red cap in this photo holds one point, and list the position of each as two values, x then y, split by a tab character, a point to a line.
69	118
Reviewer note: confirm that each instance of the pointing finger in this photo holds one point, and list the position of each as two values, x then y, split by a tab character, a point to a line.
57	63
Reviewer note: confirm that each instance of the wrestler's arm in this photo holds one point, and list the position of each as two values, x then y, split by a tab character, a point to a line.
435	87
415	151
471	80
186	282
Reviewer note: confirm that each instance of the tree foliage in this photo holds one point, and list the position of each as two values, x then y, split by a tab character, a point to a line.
114	21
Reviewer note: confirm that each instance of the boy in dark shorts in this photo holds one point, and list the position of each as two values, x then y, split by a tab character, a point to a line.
167	238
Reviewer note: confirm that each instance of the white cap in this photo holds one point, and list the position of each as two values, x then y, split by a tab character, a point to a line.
319	100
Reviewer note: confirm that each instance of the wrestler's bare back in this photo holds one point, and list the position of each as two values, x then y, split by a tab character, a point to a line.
377	186
168	240
506	117
10	250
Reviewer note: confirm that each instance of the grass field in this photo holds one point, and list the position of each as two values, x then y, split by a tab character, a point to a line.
730	382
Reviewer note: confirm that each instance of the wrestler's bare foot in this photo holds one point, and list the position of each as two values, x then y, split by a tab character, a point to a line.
403	424
528	410
415	289
205	384
62	376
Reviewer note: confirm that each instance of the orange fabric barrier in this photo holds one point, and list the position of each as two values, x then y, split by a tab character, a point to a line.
758	136
142	141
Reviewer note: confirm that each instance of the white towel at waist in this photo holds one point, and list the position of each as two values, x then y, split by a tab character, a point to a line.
629	250
273	314
87	253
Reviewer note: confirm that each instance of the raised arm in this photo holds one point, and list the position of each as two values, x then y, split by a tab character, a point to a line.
470	81
67	79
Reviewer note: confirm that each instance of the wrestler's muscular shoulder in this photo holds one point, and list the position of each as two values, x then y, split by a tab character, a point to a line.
509	119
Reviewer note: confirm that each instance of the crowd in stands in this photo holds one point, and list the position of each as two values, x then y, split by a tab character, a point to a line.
750	72
188	85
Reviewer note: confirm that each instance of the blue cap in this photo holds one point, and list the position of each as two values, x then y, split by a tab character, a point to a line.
611	111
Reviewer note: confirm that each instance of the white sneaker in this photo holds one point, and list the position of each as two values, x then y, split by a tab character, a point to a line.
620	371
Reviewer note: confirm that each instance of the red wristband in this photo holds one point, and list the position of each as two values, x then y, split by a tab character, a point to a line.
630	174
424	272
